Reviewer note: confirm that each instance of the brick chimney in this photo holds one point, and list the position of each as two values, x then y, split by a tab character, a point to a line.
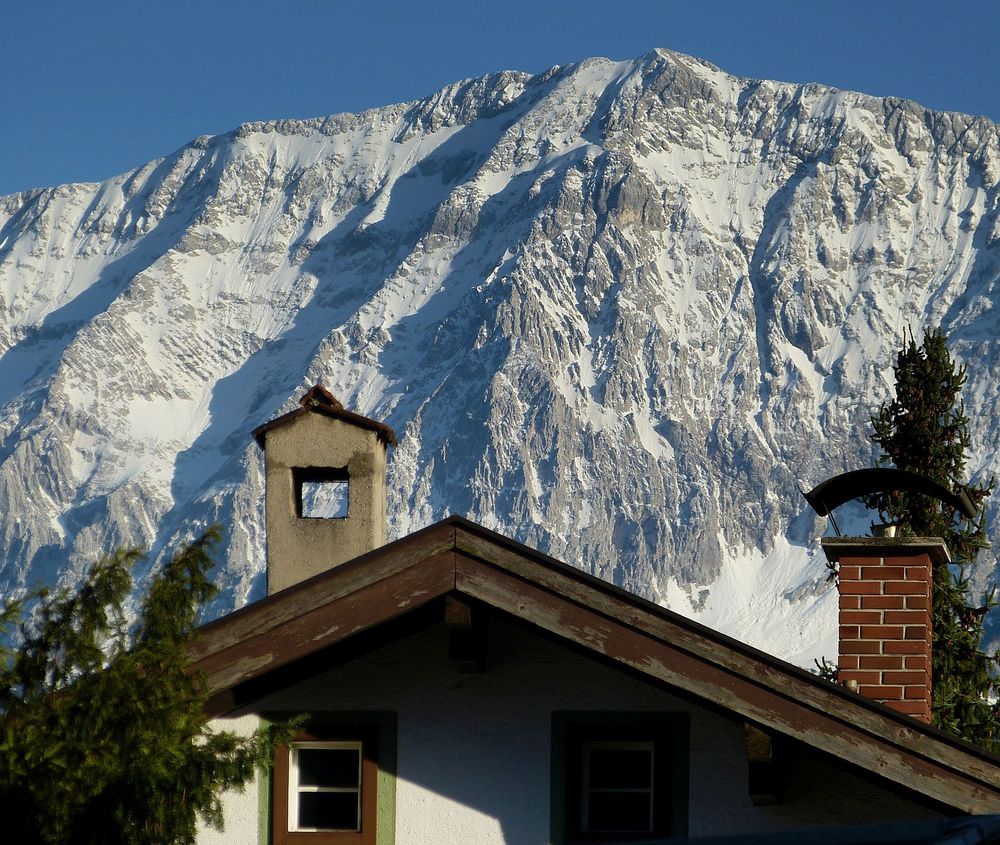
325	470
885	617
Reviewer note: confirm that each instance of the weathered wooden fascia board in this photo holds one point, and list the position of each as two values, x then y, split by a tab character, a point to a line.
365	607
296	601
606	599
959	786
703	643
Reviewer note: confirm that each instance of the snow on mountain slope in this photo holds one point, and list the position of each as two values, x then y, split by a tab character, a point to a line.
618	310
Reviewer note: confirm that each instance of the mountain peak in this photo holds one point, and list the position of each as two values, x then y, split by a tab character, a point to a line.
613	310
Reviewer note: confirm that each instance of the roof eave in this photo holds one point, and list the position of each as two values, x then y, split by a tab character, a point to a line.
384	432
457	555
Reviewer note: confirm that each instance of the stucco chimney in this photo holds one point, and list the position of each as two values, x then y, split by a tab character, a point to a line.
325	487
885	617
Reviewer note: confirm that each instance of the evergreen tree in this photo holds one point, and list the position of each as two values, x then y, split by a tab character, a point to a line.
103	732
925	430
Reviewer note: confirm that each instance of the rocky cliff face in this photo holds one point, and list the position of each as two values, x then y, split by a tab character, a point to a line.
617	310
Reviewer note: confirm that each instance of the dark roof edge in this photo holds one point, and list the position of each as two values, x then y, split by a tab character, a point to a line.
651	606
451	539
724	639
308	583
384	432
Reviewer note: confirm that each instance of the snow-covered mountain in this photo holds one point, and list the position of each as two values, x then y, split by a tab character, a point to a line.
620	311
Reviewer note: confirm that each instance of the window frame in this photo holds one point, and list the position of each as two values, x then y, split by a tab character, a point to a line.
320	475
588	789
573	730
296	789
376	731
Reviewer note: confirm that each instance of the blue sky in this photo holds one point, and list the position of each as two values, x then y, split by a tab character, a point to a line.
94	88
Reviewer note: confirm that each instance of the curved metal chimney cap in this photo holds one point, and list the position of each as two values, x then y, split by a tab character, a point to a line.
833	492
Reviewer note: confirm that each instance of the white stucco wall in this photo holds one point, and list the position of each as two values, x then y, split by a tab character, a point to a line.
474	750
241	808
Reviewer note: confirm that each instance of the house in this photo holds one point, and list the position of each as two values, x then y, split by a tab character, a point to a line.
464	688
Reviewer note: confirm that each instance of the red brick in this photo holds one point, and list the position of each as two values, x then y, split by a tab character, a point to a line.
849	573
883	573
883	602
850	632
860	588
918	709
917	573
905	647
916	632
918	602
919	691
912	677
864	617
850	602
866	646
846	675
881	692
847	661
903	617
882	632
904	588
857	560
881	661
917	662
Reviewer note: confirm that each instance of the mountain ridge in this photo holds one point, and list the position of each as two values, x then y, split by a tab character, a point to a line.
617	310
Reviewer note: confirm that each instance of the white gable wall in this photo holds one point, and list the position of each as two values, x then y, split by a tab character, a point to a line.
474	751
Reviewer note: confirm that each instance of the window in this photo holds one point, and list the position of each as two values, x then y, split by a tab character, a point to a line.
334	783
324	786
325	499
321	492
618	776
617	787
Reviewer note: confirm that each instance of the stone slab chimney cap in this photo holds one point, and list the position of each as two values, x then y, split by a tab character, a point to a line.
837	547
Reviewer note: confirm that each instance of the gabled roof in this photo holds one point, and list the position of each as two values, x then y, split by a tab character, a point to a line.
458	556
319	400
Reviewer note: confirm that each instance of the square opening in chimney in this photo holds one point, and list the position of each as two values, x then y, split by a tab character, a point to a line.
321	492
